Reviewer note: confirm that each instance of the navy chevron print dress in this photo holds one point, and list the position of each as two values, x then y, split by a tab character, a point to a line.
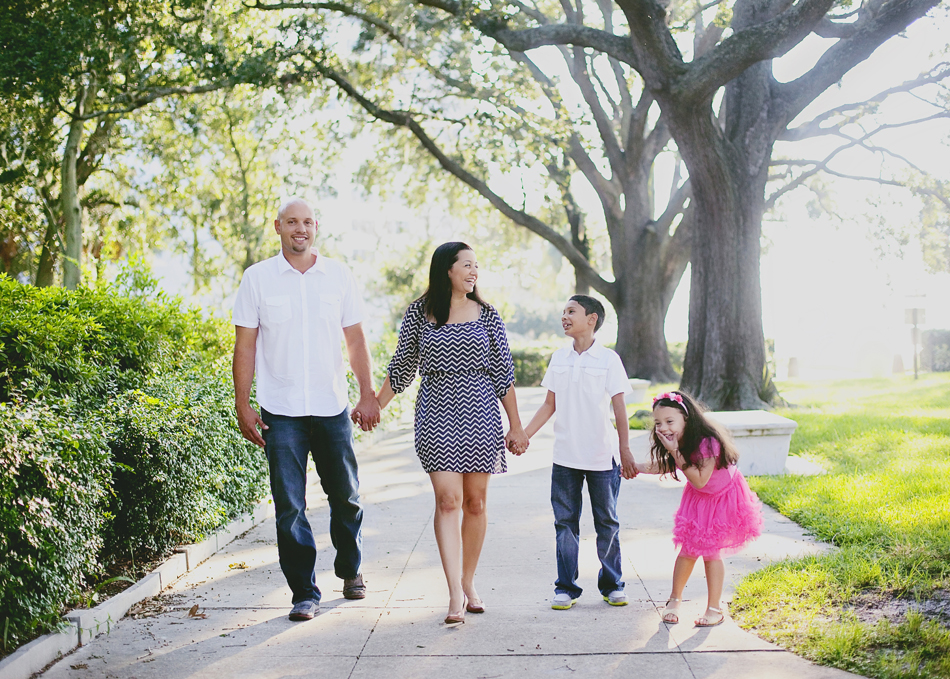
465	368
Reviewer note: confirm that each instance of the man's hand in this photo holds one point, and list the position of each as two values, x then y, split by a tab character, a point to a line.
366	413
628	467
249	421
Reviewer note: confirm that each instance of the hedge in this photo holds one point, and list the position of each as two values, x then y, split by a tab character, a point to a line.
180	465
117	435
54	475
93	343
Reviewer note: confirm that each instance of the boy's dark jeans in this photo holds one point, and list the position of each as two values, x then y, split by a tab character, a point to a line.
567	501
289	442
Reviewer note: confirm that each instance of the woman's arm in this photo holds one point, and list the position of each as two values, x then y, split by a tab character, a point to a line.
516	439
386	393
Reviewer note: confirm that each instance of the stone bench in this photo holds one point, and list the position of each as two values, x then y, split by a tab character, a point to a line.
639	391
763	439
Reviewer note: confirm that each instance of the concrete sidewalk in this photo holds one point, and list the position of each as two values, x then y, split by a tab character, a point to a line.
397	630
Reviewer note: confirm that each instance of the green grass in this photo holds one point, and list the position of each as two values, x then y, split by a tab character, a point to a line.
885	503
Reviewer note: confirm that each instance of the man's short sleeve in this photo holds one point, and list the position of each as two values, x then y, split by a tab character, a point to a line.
246	312
351	308
617	380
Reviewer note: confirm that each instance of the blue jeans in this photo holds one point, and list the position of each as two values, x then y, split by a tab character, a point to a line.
567	501
289	441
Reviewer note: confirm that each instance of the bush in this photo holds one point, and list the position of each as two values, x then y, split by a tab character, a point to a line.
93	343
54	473
935	350
530	366
181	466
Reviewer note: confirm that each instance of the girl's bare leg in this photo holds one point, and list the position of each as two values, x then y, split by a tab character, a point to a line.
681	572
715	578
448	488
474	525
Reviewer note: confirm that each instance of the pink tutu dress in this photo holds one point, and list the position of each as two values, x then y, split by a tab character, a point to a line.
722	516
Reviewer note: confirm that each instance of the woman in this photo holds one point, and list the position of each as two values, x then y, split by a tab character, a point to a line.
458	343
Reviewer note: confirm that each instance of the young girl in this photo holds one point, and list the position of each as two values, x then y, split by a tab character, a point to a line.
718	511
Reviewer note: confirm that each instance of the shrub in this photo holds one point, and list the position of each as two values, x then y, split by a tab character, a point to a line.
93	343
935	350
53	477
181	466
530	366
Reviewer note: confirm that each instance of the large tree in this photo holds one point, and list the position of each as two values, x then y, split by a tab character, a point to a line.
514	127
719	102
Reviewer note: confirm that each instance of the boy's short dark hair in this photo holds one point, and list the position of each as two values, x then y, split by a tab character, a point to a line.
591	306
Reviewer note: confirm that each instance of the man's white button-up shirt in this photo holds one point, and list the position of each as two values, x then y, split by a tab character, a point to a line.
583	385
300	319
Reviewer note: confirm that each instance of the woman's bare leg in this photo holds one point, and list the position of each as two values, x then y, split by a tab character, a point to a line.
448	490
474	525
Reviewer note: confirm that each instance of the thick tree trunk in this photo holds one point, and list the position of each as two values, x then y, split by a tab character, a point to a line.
725	358
641	314
69	199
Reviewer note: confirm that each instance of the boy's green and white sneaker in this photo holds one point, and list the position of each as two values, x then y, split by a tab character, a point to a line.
562	601
616	598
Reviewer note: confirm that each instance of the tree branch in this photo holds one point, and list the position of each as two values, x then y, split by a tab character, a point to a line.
813	128
746	47
533	224
340	7
890	19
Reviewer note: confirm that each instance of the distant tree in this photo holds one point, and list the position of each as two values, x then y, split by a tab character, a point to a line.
71	71
218	163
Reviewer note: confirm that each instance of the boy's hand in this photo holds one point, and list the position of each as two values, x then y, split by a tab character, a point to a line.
628	467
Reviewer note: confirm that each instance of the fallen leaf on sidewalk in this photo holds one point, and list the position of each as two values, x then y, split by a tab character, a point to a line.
79	666
239	564
193	613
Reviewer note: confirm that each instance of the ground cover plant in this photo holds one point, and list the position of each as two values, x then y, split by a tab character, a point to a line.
879	604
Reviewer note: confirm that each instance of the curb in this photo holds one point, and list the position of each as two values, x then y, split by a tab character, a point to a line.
82	626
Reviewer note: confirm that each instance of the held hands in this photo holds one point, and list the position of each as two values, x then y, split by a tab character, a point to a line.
366	413
516	441
249	420
628	467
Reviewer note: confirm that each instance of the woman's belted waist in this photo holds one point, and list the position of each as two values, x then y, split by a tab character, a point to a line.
447	373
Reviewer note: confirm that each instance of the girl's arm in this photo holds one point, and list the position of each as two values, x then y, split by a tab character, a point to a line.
646	468
628	467
697	475
543	415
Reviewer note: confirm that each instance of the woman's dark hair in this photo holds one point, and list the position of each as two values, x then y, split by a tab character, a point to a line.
698	427
438	296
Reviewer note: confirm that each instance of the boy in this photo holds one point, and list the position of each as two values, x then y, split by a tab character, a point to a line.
582	381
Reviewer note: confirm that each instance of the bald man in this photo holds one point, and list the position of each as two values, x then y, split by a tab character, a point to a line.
291	315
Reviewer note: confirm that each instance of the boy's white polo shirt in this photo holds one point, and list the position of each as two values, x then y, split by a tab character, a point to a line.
583	385
300	319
